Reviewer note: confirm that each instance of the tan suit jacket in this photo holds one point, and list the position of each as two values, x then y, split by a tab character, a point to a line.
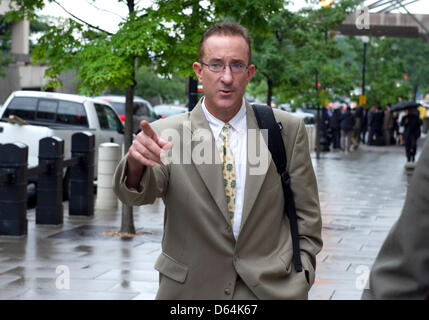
200	257
401	269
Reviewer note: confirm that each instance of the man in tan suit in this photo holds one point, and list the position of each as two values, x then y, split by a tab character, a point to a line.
225	232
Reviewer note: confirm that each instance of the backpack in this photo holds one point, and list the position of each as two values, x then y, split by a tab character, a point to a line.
265	117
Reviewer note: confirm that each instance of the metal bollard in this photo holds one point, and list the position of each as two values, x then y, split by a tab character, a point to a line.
13	191
49	209
109	155
81	201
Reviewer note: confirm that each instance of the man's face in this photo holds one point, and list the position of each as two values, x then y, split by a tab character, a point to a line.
224	91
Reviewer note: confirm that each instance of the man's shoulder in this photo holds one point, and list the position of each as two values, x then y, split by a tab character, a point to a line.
290	122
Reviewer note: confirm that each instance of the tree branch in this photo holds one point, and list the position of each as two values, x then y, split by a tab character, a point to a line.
80	20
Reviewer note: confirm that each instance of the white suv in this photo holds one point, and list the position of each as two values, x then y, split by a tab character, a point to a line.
142	110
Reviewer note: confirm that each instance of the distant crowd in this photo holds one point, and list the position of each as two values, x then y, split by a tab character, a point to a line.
345	128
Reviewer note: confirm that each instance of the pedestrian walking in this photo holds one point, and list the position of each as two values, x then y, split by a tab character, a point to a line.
411	123
395	128
225	232
400	270
388	126
364	129
376	127
357	128
347	123
335	128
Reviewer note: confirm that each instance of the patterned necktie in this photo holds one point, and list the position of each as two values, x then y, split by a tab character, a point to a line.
228	168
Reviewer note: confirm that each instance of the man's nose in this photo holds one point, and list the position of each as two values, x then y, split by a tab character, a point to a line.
227	75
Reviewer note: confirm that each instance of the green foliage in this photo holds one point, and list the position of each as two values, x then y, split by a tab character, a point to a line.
299	47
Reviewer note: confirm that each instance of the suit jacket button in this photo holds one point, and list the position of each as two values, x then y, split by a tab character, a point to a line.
227	291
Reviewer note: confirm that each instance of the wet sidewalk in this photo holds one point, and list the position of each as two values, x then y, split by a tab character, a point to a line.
361	194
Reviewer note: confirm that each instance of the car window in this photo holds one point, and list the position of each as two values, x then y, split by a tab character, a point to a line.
23	107
141	109
72	113
47	109
112	119
118	106
107	117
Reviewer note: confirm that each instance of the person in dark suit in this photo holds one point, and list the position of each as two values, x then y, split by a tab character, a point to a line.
401	269
334	124
376	127
346	124
411	123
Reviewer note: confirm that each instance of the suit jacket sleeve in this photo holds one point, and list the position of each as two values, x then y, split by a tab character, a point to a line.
400	270
304	187
153	184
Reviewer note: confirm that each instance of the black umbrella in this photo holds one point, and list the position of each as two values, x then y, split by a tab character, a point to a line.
404	105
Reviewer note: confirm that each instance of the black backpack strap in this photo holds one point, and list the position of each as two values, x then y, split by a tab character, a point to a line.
266	120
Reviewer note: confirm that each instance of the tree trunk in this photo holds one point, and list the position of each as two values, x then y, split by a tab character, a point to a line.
127	222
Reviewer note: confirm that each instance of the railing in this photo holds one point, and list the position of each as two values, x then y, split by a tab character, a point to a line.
14	175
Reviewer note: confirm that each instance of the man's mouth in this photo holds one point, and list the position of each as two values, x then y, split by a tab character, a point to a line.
225	91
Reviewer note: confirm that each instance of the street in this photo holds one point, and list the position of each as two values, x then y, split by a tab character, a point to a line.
361	195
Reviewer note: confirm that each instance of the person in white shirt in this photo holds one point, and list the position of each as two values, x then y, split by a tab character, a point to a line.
226	235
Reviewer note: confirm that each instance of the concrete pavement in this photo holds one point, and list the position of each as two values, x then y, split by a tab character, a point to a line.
361	194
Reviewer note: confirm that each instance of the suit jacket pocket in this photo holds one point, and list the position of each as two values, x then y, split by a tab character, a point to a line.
171	268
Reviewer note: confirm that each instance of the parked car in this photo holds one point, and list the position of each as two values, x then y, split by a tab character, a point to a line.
167	110
142	110
28	116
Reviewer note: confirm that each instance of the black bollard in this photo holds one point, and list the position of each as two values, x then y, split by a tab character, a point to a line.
49	209
81	201
13	189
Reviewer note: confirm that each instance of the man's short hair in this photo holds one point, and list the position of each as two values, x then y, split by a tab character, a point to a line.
228	28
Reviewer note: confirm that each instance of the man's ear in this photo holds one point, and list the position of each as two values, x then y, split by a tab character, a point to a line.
250	72
198	69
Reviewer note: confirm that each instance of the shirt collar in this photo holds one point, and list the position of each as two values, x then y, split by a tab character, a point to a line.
237	123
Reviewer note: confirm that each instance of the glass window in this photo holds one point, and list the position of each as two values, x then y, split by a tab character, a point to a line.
72	113
141	109
107	118
101	115
118	106
23	107
47	109
112	119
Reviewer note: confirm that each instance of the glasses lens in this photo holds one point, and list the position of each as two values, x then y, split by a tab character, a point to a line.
237	68
216	67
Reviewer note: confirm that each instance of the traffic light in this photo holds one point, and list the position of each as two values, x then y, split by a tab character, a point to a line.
326	3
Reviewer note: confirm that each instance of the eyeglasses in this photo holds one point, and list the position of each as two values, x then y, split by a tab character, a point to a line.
218	67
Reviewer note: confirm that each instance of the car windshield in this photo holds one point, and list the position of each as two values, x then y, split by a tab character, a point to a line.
118	106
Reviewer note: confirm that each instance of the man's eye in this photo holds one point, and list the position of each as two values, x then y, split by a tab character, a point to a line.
216	65
237	65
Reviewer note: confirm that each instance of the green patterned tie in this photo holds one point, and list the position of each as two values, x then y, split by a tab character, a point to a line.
228	168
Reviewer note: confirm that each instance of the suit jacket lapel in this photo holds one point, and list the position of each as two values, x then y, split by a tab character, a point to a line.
211	172
253	181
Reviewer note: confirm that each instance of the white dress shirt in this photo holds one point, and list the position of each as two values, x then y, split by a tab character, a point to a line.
238	144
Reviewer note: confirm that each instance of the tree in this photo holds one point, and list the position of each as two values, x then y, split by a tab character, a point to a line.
164	36
414	53
298	48
384	70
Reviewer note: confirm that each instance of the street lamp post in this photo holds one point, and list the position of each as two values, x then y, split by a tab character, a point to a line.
365	41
